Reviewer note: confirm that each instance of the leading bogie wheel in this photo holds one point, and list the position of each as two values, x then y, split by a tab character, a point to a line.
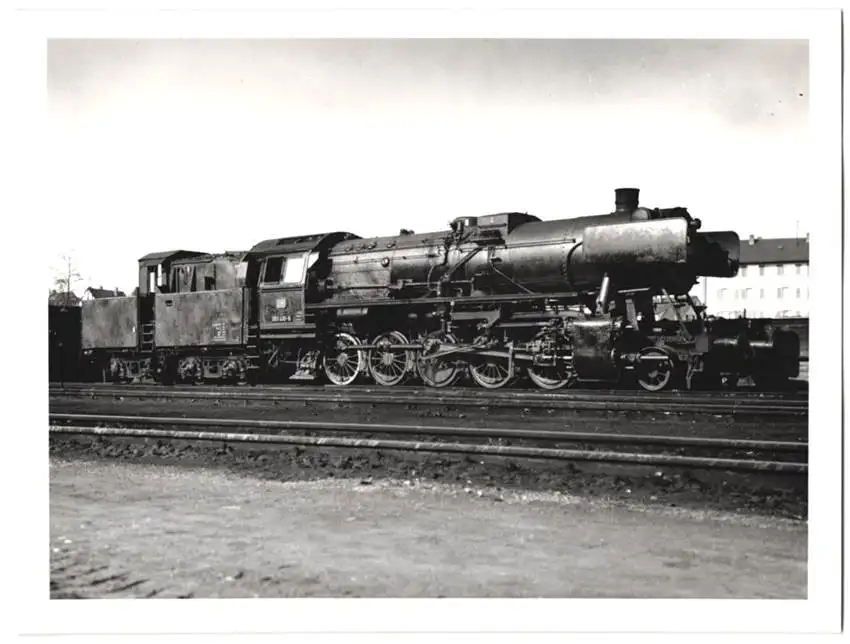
342	362
390	366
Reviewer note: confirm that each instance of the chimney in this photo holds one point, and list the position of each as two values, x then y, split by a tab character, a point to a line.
626	199
752	240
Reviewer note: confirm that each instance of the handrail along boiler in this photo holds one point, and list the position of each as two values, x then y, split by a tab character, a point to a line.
494	297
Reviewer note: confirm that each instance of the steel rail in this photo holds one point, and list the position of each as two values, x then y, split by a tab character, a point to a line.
744	395
460	432
456	448
511	402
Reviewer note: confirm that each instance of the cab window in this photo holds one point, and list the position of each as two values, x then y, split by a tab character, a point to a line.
274	270
295	269
184	279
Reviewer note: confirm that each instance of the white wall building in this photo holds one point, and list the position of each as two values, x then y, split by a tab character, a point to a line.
97	293
772	282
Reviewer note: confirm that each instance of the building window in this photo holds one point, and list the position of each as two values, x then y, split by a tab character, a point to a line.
720	293
761	269
798	268
743	271
780	292
780	269
761	293
745	293
798	294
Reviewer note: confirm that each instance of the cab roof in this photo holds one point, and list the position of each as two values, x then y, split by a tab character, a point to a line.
299	244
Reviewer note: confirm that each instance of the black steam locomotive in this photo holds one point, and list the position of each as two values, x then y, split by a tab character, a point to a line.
494	298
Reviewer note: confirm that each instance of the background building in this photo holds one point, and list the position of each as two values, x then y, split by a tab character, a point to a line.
98	293
772	282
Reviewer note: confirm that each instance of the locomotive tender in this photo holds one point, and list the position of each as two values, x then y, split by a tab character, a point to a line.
494	297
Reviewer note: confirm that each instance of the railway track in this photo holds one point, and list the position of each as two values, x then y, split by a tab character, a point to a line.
732	403
673	451
588	391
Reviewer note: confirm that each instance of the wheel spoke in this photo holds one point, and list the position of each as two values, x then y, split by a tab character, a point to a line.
490	375
389	366
343	363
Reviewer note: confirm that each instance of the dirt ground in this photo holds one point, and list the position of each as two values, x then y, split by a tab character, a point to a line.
141	530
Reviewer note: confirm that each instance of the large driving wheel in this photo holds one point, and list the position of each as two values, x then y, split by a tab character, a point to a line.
389	366
343	363
562	373
491	373
441	372
657	370
552	377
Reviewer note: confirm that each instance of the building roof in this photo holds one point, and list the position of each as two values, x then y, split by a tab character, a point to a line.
779	250
105	292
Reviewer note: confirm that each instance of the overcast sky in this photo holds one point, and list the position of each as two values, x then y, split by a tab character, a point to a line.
216	145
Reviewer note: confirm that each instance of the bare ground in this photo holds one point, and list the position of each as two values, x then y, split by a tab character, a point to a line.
143	530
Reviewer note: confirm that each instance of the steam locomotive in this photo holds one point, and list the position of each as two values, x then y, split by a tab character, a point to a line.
495	298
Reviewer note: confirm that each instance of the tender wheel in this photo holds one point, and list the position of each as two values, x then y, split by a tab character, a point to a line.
440	372
657	373
342	362
492	374
390	366
552	377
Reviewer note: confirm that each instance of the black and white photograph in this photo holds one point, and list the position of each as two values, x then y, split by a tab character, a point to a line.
498	306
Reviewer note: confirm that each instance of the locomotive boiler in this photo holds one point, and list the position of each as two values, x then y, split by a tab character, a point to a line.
495	298
517	253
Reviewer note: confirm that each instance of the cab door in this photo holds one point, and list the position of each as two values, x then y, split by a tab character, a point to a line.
282	291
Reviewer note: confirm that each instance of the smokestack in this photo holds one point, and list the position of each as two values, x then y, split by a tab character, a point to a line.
626	199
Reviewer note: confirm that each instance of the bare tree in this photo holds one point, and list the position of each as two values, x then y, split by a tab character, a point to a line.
66	276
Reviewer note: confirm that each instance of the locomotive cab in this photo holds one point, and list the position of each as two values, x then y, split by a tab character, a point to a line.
284	274
281	288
